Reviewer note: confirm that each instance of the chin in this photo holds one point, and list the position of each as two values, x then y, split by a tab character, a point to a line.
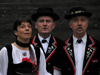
44	32
27	38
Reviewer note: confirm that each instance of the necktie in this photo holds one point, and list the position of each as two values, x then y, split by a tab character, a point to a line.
44	41
79	40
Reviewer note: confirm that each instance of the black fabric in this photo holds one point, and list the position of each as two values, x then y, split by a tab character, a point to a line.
10	70
37	50
22	44
45	12
24	65
77	11
11	66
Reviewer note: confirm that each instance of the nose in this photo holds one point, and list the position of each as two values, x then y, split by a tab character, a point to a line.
44	23
79	22
27	28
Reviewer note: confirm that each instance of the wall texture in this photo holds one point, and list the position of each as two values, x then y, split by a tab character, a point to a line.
10	10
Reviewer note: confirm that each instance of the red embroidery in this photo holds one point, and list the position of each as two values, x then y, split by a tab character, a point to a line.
26	59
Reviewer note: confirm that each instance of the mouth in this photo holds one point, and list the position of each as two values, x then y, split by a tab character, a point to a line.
26	33
79	28
44	28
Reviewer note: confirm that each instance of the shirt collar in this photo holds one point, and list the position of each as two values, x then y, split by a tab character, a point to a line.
84	39
41	38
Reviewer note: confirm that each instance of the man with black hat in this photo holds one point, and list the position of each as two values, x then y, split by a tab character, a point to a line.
45	22
82	50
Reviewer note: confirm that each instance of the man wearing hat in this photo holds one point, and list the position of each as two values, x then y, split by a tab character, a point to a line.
82	50
45	22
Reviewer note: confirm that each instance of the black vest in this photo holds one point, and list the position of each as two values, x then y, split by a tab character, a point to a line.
24	67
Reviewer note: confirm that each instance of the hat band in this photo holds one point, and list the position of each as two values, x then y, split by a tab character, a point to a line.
77	12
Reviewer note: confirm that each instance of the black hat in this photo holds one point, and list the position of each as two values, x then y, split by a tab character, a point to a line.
77	11
44	11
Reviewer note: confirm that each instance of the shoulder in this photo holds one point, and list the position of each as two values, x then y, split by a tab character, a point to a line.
3	54
3	50
32	38
6	50
57	39
36	49
94	39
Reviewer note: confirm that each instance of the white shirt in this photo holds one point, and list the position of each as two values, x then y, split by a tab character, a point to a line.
17	58
79	50
44	45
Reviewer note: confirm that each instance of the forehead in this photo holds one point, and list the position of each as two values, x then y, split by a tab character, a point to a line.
24	22
79	17
45	18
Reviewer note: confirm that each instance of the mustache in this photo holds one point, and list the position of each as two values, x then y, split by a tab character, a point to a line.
79	27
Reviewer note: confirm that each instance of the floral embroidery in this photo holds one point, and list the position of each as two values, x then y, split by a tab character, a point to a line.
26	59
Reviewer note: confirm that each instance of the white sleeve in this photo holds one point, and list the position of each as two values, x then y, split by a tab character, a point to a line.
57	72
42	64
3	61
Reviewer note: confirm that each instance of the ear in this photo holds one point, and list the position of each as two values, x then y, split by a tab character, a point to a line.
54	25
36	25
70	25
15	32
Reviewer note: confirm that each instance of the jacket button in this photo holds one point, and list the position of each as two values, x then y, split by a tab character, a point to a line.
50	72
87	70
69	69
48	63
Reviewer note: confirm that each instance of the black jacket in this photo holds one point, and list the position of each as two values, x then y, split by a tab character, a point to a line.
54	44
91	62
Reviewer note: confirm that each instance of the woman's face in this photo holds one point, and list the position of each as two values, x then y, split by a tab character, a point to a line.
24	31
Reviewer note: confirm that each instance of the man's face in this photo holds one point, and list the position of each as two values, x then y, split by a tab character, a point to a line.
44	25
79	25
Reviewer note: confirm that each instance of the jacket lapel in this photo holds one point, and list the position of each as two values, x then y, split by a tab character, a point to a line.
89	52
36	42
69	51
51	48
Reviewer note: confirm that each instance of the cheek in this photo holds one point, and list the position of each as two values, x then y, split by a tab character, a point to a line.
85	26
31	31
73	28
39	27
51	26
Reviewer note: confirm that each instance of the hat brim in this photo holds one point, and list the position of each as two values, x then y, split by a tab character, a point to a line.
53	15
87	14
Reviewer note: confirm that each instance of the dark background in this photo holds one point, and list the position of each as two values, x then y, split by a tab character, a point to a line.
10	10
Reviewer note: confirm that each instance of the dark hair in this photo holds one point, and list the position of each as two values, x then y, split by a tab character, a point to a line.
19	21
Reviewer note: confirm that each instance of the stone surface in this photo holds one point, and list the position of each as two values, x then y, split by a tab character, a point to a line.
10	10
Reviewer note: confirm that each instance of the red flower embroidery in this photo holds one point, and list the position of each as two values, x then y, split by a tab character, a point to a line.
26	59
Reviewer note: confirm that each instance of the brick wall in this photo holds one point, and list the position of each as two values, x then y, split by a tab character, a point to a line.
10	10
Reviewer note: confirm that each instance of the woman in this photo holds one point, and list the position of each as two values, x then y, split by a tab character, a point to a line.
20	57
